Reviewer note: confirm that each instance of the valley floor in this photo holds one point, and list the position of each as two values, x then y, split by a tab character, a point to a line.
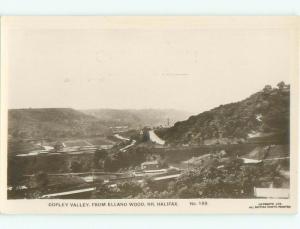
124	167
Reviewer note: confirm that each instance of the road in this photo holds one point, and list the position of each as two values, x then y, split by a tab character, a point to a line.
128	146
121	137
125	139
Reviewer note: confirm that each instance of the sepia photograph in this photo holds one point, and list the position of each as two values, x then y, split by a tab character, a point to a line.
170	108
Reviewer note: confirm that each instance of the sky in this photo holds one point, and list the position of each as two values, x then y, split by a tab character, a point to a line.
93	63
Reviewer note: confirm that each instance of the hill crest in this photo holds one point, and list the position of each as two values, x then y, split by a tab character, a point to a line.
264	114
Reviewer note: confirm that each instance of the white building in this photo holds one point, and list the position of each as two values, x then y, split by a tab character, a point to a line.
150	165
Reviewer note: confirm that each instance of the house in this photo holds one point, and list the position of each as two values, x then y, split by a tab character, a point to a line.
150	165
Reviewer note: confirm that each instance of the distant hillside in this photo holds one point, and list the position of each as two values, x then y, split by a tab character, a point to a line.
138	118
263	115
52	123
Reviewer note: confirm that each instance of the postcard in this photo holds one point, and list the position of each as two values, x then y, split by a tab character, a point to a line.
149	114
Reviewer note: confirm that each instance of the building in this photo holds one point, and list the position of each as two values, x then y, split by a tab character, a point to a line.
150	165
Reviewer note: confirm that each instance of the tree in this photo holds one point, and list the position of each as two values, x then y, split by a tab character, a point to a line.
267	88
130	188
145	135
15	172
39	181
100	154
281	85
76	166
42	179
58	146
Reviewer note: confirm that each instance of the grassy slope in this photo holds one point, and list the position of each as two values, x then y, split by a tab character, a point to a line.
235	120
52	123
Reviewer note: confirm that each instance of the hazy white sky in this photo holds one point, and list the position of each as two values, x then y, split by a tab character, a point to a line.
186	68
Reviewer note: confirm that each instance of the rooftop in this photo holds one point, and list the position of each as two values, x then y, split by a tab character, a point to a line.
150	163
